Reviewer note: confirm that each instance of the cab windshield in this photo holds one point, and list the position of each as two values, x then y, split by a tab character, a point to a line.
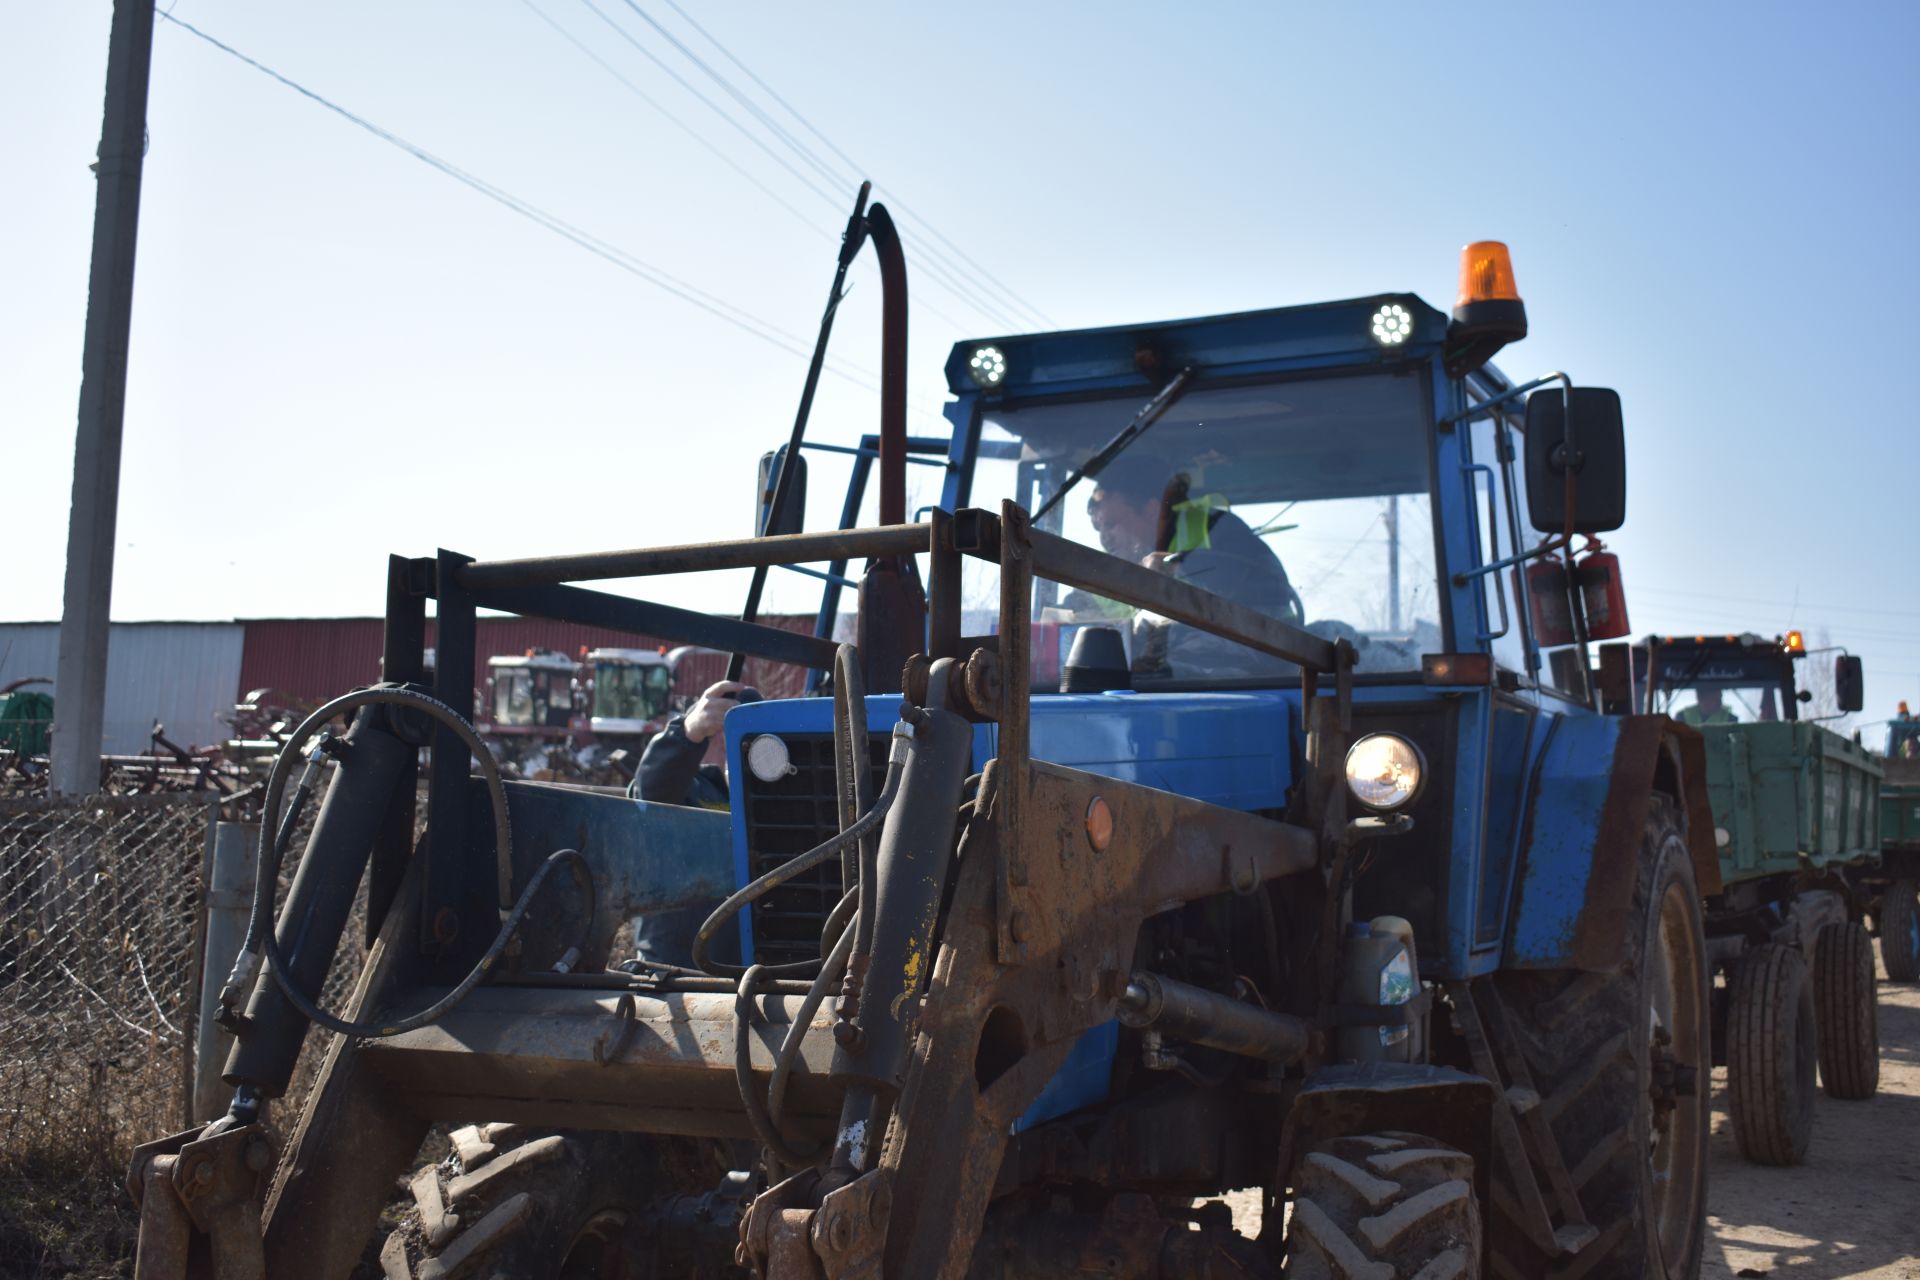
623	691
1307	500
1704	687
513	696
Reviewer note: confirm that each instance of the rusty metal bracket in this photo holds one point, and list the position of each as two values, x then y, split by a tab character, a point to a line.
1521	1132
212	1185
849	1231
1016	672
605	1054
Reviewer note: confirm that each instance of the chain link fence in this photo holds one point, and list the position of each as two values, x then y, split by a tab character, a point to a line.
100	929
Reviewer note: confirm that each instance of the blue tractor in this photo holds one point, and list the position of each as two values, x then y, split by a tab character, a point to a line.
1210	794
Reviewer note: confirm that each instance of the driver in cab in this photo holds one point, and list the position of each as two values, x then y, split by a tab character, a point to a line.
1144	510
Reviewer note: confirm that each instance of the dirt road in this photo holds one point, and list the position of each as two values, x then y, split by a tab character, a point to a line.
1853	1209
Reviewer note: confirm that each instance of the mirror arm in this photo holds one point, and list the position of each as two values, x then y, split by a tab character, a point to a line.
1551	545
1487	407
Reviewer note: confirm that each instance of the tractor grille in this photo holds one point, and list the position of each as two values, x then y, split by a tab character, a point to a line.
785	819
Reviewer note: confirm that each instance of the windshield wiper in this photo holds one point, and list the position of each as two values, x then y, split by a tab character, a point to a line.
1150	413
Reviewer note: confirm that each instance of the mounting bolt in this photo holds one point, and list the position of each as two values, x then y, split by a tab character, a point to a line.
847	1036
839	1233
203	1173
1022	925
880	1205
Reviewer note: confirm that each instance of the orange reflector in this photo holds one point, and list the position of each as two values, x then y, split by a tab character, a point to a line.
1456	668
1486	274
1099	824
1796	643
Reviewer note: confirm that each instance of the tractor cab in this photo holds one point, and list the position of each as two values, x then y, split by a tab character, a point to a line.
1903	736
632	692
532	694
1717	680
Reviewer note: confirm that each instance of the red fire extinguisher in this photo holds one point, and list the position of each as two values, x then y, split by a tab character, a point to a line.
1601	595
1547	595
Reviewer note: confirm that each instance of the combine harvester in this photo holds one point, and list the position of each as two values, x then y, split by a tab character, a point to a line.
1369	908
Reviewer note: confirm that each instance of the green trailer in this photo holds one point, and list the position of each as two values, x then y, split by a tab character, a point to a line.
1890	886
1797	819
1791	797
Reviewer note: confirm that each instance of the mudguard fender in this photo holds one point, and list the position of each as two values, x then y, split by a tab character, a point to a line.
1585	818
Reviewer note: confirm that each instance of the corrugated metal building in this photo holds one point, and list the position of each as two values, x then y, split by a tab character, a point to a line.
181	674
188	675
313	659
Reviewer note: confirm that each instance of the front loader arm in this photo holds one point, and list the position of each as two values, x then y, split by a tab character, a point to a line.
996	1028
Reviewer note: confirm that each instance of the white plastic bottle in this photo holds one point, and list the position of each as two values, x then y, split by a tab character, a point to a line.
1381	969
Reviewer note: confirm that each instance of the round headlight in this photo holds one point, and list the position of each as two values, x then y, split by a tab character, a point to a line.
1384	771
987	367
768	758
1392	325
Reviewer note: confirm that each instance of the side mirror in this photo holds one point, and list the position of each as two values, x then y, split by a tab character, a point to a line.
1849	683
1597	461
793	512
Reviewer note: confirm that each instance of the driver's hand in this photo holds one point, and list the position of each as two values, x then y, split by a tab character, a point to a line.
708	714
1157	561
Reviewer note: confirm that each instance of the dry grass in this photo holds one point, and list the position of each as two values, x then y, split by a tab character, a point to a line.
68	1217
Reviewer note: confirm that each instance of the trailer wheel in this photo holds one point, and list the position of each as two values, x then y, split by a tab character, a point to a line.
1620	1061
1900	931
1772	1046
1848	1010
1384	1205
535	1205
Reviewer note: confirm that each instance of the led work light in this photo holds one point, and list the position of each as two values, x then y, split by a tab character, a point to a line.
987	367
1392	325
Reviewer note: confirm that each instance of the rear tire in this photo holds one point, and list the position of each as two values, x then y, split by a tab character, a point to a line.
1900	931
1384	1206
1772	1047
1620	1061
1848	1009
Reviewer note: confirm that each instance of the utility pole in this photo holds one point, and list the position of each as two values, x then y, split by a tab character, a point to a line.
82	675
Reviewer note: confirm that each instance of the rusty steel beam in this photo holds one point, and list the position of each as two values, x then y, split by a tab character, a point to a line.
697	557
1065	561
600	1060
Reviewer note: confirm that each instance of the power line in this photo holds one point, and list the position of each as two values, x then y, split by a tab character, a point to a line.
688	129
936	264
831	199
949	274
713	305
1779	604
807	124
812	186
712	147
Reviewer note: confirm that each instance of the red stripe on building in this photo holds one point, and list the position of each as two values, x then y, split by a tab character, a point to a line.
312	659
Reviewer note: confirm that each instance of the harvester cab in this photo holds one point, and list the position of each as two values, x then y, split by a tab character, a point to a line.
1228	825
632	694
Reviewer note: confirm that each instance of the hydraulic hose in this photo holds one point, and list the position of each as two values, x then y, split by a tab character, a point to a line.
757	1114
830	971
261	942
831	847
475	976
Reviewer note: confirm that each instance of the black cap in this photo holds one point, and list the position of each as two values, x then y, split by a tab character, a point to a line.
1096	663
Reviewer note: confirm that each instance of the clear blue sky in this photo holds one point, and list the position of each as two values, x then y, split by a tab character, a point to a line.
339	352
